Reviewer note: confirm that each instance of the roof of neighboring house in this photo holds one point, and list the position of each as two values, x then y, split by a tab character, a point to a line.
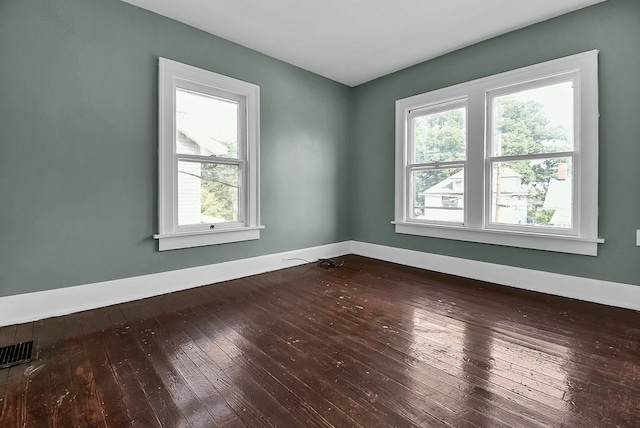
447	185
559	198
199	143
558	194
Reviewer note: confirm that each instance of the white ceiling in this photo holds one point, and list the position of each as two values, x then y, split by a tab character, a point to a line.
354	41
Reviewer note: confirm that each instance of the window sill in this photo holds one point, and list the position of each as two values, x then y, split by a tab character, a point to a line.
198	239
537	241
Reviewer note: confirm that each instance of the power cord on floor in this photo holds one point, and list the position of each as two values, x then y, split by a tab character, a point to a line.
331	262
297	258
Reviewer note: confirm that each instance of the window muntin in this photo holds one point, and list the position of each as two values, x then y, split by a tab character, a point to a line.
208	158
549	180
438	146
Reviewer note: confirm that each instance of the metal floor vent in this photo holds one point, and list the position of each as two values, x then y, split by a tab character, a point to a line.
15	354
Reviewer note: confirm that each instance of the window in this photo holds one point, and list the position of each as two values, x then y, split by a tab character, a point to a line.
437	161
510	159
208	158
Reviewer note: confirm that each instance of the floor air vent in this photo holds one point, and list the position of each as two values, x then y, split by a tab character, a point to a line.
15	354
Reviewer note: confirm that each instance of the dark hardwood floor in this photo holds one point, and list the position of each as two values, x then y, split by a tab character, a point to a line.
368	344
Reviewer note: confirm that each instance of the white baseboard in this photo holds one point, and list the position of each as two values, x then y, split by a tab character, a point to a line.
62	301
590	290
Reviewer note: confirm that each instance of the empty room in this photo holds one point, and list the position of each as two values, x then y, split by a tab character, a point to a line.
319	214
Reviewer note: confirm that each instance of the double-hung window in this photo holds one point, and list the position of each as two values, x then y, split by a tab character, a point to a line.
510	159
208	158
437	158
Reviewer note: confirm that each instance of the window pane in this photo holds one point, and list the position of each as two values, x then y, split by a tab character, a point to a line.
440	137
534	121
207	193
533	193
438	195
206	125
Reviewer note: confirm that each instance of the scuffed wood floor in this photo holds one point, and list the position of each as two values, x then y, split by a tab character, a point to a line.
369	344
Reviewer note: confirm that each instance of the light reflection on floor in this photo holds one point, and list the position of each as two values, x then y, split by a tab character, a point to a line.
487	365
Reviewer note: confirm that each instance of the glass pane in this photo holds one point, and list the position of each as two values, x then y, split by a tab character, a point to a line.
207	193
534	121
440	137
533	193
206	125
438	195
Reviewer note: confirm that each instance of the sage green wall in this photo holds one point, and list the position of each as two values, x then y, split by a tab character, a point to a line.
613	27
78	143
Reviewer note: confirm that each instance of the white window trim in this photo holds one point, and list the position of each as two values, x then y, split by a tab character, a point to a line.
583	239
173	75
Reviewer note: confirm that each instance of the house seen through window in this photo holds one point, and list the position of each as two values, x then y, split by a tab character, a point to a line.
532	147
208	158
509	159
208	191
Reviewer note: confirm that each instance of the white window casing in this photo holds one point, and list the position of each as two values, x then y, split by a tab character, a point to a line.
580	235
172	77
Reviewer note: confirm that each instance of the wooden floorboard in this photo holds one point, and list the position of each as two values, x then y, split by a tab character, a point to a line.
368	344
